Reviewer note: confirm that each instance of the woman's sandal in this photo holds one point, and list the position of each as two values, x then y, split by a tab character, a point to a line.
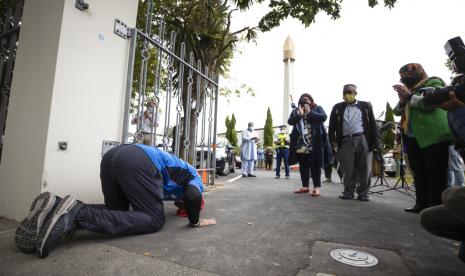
302	191
315	193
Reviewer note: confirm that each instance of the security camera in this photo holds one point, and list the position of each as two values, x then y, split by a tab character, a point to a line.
81	5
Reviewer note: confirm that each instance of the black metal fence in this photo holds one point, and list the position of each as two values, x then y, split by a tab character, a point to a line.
10	24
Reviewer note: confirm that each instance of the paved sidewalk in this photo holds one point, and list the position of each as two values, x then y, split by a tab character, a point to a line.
263	229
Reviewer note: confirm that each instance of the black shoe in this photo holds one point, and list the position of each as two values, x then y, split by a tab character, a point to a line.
278	176
244	175
41	210
62	222
288	176
363	198
251	175
414	209
346	197
462	252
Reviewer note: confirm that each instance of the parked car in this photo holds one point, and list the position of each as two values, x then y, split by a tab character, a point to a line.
225	157
390	164
238	162
225	160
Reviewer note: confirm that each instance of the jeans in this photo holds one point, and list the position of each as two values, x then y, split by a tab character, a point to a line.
282	154
455	171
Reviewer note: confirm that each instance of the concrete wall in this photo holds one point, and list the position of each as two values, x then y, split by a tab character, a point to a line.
68	85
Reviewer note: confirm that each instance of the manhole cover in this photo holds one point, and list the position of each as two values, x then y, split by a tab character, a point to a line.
353	257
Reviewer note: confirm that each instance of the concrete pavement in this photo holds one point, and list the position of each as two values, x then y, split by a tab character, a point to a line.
263	229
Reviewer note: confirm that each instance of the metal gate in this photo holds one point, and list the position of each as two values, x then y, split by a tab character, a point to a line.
10	23
178	113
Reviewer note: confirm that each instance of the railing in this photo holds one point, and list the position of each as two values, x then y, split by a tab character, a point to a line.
178	112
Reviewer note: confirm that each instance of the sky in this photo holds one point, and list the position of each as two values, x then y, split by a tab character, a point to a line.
366	46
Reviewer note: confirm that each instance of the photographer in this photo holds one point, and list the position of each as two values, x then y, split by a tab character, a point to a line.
146	125
310	142
426	134
448	220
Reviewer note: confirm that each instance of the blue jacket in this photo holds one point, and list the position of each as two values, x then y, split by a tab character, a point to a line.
320	142
176	172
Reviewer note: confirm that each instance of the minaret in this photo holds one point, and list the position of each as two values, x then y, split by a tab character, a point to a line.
288	58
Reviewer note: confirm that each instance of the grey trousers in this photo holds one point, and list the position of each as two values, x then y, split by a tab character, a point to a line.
448	219
355	162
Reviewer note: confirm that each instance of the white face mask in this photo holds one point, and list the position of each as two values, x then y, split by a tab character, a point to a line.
250	128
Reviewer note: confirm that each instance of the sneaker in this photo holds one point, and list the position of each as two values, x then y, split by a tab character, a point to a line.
244	175
328	180
41	209
62	222
278	176
288	177
346	197
251	175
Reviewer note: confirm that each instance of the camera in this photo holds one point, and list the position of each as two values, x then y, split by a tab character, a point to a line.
455	49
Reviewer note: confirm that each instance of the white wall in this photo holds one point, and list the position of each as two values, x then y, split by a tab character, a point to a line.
88	96
68	85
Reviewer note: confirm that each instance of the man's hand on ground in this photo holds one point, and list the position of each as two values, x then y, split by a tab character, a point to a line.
207	222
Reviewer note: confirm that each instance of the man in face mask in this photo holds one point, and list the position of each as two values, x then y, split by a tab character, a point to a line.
426	135
248	151
349	96
353	135
281	142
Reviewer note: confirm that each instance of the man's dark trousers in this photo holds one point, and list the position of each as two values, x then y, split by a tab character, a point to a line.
282	153
448	219
129	178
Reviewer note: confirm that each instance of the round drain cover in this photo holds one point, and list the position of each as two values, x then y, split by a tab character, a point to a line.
353	257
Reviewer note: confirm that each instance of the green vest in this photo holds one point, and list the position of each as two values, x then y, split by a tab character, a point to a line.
429	125
283	140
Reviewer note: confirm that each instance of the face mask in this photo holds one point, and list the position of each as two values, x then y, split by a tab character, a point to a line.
349	98
250	128
409	81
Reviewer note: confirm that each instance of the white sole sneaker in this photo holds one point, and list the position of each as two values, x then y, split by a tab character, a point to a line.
29	228
50	234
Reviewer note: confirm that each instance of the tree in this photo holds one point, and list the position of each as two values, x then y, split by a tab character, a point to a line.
232	127
228	129
389	136
268	130
302	10
205	28
231	133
